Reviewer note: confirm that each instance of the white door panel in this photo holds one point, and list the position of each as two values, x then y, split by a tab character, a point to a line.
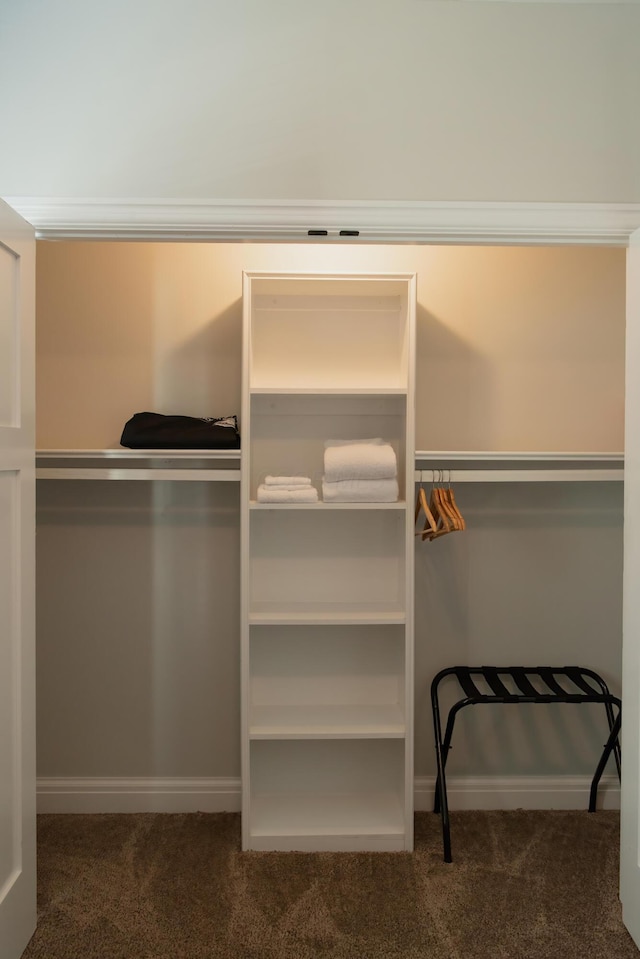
17	576
9	332
630	816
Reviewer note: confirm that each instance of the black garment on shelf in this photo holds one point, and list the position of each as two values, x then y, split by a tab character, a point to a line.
160	432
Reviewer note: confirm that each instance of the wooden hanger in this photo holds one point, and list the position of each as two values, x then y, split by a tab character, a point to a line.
442	514
446	506
445	521
451	512
451	501
430	522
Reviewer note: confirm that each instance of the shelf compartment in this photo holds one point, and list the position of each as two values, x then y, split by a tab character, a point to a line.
327	823
320	795
327	682
356	563
288	432
329	333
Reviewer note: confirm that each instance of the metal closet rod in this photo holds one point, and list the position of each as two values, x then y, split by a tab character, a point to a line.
571	467
199	475
535	456
592	470
518	476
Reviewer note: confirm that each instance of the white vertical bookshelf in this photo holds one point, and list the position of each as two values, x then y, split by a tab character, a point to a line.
327	589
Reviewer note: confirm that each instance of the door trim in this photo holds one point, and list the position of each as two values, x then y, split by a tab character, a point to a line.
607	224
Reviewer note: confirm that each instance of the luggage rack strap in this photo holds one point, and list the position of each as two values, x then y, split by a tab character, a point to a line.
492	676
463	675
589	686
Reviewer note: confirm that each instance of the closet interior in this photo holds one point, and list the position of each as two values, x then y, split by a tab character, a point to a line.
191	637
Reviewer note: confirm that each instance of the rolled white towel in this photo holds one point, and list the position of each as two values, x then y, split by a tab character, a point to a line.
287	481
361	459
360	491
273	494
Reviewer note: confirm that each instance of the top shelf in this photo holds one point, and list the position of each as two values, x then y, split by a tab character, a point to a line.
329	334
129	454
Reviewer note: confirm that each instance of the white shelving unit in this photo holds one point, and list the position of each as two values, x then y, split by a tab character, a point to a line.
327	589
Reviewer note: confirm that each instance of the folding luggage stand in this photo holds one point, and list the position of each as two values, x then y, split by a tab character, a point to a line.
585	686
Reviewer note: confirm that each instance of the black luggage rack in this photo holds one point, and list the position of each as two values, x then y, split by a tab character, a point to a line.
582	686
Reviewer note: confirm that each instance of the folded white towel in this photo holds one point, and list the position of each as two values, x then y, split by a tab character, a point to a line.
273	494
287	481
361	459
288	487
360	491
375	441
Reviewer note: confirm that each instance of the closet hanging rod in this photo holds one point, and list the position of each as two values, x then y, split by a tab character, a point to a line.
421	456
582	467
421	476
199	476
126	453
519	476
479	456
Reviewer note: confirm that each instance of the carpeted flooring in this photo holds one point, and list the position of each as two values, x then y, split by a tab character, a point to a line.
523	885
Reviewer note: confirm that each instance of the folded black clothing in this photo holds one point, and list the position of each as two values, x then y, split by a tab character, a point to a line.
160	432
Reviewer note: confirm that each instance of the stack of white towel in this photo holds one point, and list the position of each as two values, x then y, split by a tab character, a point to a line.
359	471
287	489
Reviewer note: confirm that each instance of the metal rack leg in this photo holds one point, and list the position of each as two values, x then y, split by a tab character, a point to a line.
441	785
445	744
616	746
610	747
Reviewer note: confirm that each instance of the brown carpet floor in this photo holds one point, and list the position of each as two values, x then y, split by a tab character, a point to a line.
523	885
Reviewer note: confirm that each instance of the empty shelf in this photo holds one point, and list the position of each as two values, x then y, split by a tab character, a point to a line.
378	721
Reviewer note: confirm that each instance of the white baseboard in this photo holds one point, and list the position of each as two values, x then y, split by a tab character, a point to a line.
519	792
111	795
97	795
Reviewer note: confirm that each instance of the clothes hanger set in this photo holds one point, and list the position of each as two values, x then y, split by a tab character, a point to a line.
441	512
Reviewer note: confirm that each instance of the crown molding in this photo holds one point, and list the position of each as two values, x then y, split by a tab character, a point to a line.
626	3
290	220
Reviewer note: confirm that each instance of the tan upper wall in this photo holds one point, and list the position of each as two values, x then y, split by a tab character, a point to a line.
339	100
518	348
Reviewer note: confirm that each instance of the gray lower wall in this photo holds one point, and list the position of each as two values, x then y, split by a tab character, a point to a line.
535	580
138	624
